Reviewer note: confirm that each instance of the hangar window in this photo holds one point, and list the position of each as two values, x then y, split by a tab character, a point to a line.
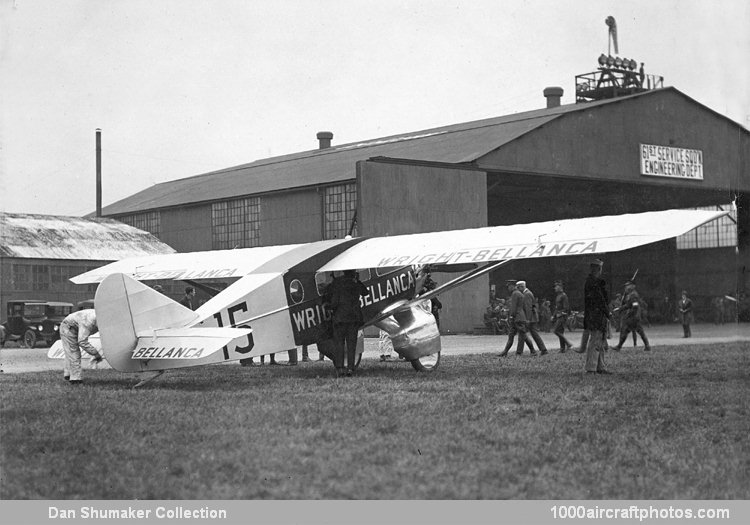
339	208
31	277
235	224
716	234
60	278
149	221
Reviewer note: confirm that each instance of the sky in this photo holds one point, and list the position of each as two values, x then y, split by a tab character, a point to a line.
184	87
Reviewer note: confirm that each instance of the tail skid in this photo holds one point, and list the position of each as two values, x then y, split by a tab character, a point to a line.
148	379
144	330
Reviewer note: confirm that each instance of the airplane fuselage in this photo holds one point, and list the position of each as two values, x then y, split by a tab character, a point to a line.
309	312
290	309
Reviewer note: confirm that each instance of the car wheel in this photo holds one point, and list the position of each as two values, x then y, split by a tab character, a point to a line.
426	363
29	339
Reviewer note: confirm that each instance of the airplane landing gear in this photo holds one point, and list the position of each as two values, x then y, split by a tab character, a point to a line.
426	363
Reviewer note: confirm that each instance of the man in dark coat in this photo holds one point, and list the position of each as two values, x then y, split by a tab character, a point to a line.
686	313
346	312
187	301
532	316
518	322
631	315
595	318
562	310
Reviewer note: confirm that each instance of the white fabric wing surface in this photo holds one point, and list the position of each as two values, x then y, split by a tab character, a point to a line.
542	239
584	236
215	264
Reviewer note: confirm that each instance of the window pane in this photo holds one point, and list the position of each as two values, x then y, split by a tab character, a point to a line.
715	234
339	206
235	224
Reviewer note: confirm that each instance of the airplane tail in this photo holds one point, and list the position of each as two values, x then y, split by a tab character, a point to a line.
142	329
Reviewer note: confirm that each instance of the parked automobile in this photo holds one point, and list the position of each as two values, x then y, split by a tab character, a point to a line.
31	321
85	305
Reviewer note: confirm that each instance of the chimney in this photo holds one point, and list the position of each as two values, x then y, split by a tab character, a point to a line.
553	95
324	139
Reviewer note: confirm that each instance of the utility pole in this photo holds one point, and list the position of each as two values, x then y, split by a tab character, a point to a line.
98	172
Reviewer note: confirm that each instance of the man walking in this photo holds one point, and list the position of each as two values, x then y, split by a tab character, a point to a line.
518	322
562	310
532	312
630	313
595	318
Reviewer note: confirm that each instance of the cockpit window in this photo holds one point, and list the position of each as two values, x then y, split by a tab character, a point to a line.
323	281
386	270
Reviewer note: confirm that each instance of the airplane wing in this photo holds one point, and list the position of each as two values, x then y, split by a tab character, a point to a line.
447	248
567	237
217	264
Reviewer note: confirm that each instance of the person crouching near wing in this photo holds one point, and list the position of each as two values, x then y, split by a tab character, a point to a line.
74	333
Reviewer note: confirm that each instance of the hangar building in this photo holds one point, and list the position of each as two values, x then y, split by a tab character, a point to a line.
638	151
40	253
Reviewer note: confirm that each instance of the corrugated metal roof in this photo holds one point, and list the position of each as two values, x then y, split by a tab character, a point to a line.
34	236
457	143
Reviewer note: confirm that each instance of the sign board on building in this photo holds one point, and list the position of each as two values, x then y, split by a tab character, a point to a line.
666	161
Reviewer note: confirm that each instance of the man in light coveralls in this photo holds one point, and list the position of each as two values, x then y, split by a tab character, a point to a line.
74	333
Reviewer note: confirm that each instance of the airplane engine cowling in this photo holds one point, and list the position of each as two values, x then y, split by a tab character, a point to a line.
415	335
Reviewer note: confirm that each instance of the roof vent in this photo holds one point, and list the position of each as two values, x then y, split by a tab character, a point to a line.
324	139
553	95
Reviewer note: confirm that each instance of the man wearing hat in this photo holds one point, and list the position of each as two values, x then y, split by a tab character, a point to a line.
686	313
517	322
562	310
595	319
630	314
532	316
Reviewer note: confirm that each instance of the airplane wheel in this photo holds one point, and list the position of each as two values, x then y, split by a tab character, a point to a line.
426	363
29	339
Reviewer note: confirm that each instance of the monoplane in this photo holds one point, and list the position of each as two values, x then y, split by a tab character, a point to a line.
277	300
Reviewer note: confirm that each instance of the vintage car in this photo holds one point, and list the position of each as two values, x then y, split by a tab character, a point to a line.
85	305
32	321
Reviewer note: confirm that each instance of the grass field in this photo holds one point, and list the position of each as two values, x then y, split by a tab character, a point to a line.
672	424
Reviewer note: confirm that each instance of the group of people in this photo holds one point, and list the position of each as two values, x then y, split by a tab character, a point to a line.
496	316
624	312
523	318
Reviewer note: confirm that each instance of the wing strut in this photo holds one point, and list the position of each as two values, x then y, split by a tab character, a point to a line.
461	279
440	289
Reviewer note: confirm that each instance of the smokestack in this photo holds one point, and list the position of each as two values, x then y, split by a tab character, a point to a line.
553	95
98	172
324	139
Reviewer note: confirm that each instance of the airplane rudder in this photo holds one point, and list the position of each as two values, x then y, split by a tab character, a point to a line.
115	322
